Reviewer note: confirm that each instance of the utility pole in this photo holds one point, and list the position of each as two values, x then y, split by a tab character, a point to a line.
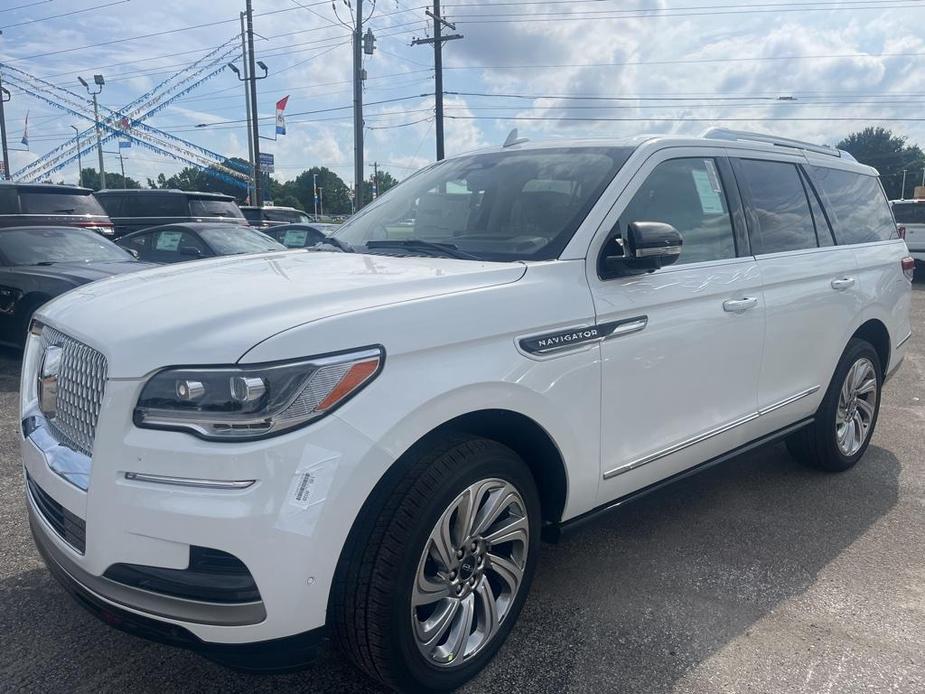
247	103
321	200
99	82
255	132
358	102
902	196
438	40
122	166
4	97
375	180
80	166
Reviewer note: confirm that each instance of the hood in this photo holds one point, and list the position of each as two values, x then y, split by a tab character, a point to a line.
213	311
81	273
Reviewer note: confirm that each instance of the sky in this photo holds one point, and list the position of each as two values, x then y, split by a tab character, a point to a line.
812	70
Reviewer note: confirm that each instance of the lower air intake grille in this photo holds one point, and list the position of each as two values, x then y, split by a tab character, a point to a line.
69	527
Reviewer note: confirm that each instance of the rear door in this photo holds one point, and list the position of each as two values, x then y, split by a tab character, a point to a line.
810	287
680	369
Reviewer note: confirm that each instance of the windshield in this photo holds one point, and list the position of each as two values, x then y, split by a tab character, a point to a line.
59	203
48	246
214	208
497	206
230	240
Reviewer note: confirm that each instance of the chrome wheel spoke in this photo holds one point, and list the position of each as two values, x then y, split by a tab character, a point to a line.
427	591
459	634
441	544
866	409
432	630
507	570
488	608
857	405
514	529
868	386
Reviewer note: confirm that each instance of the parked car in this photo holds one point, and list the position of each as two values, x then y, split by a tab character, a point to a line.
367	440
41	204
911	215
39	263
175	243
271	215
300	235
132	210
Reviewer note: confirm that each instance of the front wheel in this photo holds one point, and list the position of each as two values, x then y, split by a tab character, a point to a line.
426	596
846	419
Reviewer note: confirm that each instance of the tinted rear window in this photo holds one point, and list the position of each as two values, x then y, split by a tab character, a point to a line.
909	212
36	202
145	205
285	216
214	208
781	210
251	215
856	204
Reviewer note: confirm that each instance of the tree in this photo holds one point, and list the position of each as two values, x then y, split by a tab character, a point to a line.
889	154
336	195
194	178
386	181
91	179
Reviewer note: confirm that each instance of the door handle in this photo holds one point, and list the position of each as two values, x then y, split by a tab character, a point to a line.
740	305
842	283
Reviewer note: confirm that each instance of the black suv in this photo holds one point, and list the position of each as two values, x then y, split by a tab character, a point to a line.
134	209
270	215
46	204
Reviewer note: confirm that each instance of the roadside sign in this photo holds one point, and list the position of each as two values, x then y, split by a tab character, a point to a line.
266	162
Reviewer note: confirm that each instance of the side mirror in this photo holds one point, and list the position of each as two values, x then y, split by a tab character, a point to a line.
134	253
189	252
649	246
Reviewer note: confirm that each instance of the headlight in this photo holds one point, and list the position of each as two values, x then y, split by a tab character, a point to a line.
254	401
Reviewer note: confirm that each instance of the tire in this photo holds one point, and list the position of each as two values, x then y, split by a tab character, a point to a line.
821	445
392	546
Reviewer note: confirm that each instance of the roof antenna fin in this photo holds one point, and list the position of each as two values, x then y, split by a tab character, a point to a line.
512	139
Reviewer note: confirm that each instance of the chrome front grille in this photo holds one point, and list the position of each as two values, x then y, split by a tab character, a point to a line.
81	381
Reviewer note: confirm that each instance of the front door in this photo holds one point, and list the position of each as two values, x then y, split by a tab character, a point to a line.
680	379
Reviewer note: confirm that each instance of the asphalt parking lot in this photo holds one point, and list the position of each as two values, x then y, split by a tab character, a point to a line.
756	576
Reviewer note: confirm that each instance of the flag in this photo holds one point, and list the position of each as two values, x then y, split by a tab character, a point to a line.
125	144
280	120
25	132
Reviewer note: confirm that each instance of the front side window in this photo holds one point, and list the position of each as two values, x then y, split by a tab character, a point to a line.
856	204
56	245
780	214
512	205
687	194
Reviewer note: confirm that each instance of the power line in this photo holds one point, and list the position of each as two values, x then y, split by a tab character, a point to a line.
24	6
66	14
684	119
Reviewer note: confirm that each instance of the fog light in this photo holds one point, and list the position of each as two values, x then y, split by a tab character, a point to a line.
190	390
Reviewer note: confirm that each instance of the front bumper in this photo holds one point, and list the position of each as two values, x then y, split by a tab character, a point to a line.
289	544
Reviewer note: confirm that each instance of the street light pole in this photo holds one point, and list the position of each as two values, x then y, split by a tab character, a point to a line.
99	82
358	167
247	102
321	200
80	167
4	97
315	192
255	132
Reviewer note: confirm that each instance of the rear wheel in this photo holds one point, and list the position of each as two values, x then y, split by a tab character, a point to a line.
846	419
425	597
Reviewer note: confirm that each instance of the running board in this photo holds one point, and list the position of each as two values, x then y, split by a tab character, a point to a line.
553	532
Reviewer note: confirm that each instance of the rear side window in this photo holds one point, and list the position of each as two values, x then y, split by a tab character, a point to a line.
780	216
688	195
909	212
36	202
9	200
292	216
199	207
856	205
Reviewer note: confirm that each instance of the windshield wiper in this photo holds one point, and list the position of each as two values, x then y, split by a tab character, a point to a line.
447	249
335	243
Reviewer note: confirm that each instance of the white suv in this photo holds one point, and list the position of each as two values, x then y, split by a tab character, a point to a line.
368	439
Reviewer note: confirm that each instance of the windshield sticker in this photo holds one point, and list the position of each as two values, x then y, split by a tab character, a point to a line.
710	201
294	238
168	240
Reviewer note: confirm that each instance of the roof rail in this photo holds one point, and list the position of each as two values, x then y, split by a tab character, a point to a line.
739	135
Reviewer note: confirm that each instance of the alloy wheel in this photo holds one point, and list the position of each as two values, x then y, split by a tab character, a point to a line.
857	404
470	572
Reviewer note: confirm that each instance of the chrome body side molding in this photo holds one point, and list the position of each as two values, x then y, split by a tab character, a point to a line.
709	434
